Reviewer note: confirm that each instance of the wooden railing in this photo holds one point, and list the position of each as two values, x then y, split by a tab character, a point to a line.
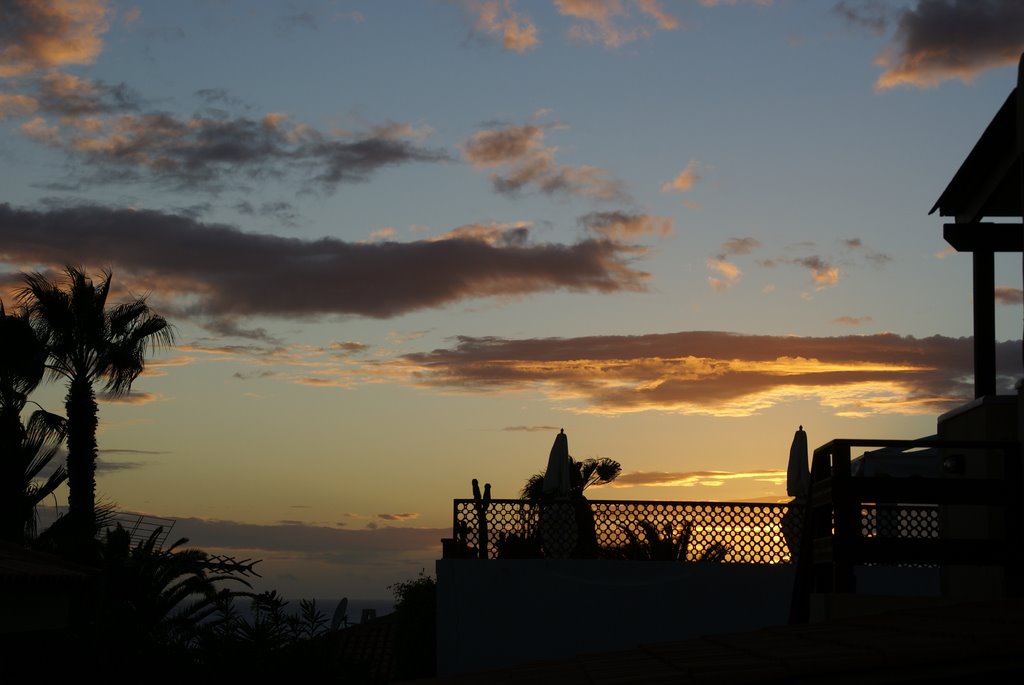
836	539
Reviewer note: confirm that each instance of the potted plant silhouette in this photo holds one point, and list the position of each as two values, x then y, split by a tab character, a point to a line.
666	544
582	475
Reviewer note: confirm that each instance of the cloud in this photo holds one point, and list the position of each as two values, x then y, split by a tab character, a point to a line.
494	233
38	130
717	373
719	3
626	225
684	182
600	21
298	559
78	101
941	40
852	320
527	162
739	246
281	211
496	18
349	347
42	34
872	15
874	256
823	273
220	272
382	233
530	429
728	274
407	516
357	547
134	397
103	466
1005	295
208	153
688	479
12	106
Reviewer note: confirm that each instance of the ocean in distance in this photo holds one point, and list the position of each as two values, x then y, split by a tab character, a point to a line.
354	612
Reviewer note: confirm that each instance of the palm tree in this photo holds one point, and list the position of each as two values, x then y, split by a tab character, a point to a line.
155	601
582	475
25	451
89	343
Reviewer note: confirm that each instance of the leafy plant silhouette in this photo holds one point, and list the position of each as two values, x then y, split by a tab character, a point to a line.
666	543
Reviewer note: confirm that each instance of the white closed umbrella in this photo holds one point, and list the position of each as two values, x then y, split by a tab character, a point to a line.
557	520
556	476
798	476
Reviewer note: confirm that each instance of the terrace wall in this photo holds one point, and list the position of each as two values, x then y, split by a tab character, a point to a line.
494	613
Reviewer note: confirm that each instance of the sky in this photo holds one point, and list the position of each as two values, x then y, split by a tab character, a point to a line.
402	244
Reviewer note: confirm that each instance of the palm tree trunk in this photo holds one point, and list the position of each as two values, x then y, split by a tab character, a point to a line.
81	408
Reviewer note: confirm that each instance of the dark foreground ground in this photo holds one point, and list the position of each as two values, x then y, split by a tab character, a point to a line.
976	642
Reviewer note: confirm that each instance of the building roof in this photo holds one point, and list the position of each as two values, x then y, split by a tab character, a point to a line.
975	641
988	183
18	564
370	647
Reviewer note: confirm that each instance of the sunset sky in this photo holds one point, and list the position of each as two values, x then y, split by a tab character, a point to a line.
403	243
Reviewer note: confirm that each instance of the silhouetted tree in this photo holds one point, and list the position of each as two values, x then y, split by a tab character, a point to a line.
153	602
89	343
416	638
25	450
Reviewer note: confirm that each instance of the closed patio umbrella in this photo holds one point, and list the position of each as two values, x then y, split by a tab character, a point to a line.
556	476
557	519
798	477
798	483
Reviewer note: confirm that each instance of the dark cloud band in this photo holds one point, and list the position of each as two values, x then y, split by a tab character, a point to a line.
228	272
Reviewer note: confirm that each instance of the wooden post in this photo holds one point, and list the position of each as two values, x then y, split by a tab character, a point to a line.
984	323
846	510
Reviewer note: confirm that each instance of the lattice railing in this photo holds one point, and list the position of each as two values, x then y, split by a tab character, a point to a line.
719	531
900	521
731	532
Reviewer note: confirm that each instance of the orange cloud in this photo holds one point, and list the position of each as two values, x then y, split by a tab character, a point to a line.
685	181
728	274
852	320
527	162
823	273
716	373
601	20
38	130
42	34
405	516
16	105
492	233
626	225
688	479
1005	295
518	32
382	233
